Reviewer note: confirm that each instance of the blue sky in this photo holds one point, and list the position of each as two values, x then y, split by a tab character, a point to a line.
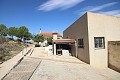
51	15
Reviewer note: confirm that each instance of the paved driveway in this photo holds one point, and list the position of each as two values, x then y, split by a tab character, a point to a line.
40	66
68	68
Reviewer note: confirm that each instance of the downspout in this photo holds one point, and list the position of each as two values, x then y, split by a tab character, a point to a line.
76	49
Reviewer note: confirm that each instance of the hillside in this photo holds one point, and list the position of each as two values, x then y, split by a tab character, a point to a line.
9	48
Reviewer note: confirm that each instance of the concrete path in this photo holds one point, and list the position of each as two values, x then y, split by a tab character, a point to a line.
68	68
40	66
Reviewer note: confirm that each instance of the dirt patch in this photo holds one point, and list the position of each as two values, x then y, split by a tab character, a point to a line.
9	48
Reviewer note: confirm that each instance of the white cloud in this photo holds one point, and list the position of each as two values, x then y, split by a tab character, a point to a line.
54	4
97	8
113	12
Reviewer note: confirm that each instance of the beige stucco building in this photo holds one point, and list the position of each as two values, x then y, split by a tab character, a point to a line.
92	32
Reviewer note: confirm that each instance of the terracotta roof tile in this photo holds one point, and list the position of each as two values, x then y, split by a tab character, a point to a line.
49	34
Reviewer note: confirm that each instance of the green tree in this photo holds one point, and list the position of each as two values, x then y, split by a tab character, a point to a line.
38	38
28	36
3	30
50	40
22	32
12	31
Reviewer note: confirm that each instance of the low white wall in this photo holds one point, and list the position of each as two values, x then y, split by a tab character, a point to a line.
49	49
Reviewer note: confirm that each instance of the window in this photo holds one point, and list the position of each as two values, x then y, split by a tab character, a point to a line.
80	43
99	42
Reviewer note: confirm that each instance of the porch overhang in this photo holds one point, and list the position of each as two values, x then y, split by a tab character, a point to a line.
64	41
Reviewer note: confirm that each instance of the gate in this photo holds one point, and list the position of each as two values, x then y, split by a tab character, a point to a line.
114	55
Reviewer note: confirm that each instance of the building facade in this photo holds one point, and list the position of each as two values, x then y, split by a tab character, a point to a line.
92	32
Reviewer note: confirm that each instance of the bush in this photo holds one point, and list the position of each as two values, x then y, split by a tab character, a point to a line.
2	40
37	45
3	54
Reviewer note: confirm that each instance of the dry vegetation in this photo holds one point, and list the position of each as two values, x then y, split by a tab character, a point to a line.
9	48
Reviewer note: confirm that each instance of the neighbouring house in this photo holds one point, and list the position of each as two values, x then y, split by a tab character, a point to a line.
50	34
88	38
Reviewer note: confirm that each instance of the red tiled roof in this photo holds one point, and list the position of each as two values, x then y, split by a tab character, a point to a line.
49	34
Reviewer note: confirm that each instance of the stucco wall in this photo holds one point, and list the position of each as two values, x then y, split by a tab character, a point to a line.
77	31
73	50
102	26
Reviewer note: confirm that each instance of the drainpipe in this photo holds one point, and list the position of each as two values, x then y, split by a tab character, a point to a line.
76	49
